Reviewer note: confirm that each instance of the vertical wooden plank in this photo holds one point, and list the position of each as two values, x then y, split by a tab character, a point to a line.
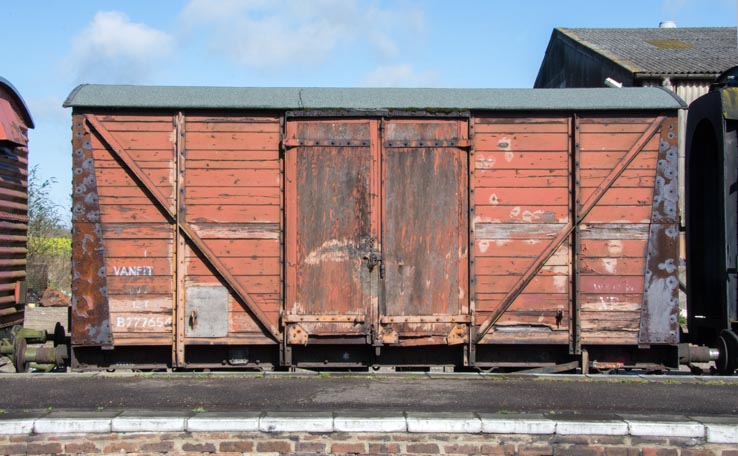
376	183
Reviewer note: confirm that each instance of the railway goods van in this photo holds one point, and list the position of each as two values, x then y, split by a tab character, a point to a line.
15	120
273	228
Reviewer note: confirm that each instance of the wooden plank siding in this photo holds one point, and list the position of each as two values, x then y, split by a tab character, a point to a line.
232	195
138	238
612	259
521	202
232	198
525	171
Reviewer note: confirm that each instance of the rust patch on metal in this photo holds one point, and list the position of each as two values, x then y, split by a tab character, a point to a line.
458	335
297	335
660	308
389	336
90	306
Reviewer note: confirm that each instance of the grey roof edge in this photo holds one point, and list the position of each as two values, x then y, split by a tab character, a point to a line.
590	47
683	104
368	99
26	112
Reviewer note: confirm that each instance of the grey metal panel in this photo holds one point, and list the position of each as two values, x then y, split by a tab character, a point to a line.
163	97
206	312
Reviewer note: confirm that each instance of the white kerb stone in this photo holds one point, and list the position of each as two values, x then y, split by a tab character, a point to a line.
296	424
223	422
592	428
148	424
72	425
378	424
24	426
666	428
457	425
721	433
518	426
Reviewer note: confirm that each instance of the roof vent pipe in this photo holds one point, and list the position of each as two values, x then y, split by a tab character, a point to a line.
667	24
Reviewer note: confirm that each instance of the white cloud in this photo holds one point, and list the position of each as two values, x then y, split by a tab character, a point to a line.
48	109
114	49
400	76
281	33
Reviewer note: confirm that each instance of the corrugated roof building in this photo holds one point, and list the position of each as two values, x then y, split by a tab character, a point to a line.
580	57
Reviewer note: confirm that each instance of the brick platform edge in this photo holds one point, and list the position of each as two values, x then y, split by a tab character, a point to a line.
362	433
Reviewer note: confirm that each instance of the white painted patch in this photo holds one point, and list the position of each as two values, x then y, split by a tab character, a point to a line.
493	199
334	250
461	293
610	265
615	248
561	284
515	211
509	155
501	242
483	246
529	216
485	162
504	143
668	266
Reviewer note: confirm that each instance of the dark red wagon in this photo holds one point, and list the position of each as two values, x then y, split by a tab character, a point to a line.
15	120
347	228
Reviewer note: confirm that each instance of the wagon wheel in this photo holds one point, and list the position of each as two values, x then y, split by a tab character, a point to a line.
60	336
19	358
727	362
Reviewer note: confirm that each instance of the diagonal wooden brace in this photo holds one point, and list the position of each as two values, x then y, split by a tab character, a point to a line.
160	200
551	248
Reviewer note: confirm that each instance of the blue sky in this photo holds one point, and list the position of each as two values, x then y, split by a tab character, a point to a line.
51	46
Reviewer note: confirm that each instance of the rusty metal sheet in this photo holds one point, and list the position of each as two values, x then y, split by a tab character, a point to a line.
660	310
90	307
330	224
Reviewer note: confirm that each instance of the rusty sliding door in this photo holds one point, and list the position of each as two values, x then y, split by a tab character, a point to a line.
424	232
331	169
